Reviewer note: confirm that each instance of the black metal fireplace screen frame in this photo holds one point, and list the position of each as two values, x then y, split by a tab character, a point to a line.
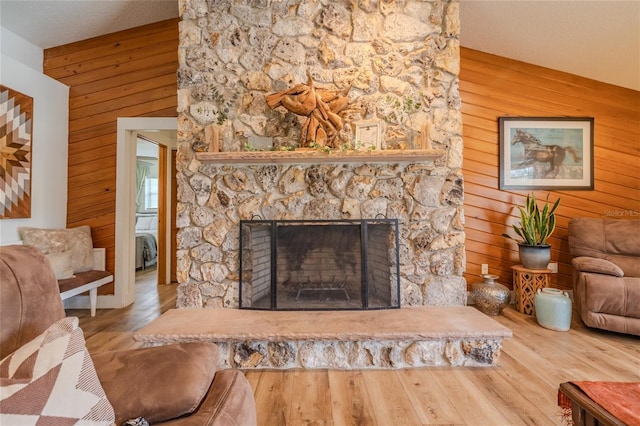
364	226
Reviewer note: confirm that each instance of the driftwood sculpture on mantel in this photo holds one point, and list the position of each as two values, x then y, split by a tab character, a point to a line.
320	106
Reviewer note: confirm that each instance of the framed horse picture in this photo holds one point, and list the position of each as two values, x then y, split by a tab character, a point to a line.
546	153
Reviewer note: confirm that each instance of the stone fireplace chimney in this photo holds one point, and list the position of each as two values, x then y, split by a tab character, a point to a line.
393	55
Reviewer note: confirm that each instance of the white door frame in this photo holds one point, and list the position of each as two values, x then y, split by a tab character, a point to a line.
124	275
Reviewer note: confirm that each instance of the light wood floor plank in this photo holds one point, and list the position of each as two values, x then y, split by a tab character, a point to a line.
433	406
505	397
350	403
472	404
273	392
390	406
529	388
311	399
522	390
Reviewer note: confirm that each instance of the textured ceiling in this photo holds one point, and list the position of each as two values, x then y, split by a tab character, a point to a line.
594	39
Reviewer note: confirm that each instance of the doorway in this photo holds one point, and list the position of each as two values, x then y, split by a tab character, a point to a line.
149	209
163	131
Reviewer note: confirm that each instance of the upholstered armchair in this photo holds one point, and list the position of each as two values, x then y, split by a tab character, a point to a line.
606	277
46	370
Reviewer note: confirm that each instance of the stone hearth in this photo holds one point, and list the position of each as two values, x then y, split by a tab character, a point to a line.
396	338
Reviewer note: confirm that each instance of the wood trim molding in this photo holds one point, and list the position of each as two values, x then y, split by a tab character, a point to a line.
315	157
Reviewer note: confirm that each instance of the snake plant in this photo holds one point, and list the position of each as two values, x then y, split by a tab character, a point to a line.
536	225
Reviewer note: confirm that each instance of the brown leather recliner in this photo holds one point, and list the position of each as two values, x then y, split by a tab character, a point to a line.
606	277
174	384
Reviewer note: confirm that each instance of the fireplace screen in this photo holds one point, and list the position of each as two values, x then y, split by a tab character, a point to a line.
319	265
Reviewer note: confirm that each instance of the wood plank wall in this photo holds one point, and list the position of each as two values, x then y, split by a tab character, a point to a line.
130	73
493	86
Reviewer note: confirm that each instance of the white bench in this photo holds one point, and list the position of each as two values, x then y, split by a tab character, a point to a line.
88	281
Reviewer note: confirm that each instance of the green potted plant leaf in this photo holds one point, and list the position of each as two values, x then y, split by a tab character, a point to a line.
536	225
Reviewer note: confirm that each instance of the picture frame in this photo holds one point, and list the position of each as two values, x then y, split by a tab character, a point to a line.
546	153
368	135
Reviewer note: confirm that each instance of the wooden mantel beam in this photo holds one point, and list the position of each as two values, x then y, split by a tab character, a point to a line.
315	157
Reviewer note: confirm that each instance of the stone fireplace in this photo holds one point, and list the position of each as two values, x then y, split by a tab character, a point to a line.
319	265
234	53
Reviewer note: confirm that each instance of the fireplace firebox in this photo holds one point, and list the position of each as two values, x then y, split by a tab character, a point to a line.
319	264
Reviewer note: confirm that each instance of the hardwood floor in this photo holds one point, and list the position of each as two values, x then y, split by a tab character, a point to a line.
113	329
521	391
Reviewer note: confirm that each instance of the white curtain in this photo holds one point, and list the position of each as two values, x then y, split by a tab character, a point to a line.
142	170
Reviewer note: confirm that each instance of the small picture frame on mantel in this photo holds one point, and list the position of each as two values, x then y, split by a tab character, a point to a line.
368	135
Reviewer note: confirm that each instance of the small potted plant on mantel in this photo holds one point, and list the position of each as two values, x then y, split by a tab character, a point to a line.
536	225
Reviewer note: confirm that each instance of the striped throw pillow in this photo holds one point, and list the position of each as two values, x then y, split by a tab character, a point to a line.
52	381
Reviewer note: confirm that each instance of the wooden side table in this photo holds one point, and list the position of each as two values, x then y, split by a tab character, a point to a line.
526	283
584	410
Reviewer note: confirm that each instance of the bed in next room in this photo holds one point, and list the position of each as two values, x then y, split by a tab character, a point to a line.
146	240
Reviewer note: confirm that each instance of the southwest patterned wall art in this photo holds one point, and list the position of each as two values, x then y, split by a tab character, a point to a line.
16	113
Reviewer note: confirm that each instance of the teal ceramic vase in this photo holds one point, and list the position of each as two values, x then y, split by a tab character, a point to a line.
553	309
